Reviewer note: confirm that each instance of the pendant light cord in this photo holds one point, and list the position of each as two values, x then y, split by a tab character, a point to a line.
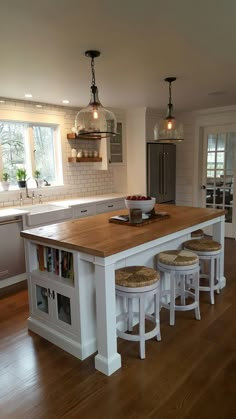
93	72
170	93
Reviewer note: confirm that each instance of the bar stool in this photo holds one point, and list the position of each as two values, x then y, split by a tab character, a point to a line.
138	282
207	250
197	234
182	267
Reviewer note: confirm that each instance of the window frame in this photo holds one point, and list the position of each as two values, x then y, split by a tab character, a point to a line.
31	119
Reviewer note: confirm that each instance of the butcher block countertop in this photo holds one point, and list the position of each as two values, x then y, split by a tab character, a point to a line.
96	236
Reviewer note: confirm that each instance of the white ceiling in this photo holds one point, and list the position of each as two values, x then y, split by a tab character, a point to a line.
141	42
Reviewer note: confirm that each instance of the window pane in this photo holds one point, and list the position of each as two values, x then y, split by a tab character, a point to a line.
221	142
12	139
44	152
211	142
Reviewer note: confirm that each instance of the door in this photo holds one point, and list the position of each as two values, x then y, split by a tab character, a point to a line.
219	172
41	299
65	308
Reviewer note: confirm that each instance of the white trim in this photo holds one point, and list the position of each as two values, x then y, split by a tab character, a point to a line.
13	280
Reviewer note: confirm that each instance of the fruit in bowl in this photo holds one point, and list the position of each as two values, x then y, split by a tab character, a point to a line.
145	203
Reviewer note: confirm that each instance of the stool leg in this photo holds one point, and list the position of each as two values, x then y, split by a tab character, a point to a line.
157	312
218	274
130	314
141	327
182	289
212	278
172	299
196	286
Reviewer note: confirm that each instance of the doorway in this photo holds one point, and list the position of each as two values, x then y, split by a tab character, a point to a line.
219	163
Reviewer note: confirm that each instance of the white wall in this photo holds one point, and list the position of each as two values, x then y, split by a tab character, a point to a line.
136	151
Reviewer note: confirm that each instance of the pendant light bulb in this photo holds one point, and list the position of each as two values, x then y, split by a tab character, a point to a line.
169	124
169	130
94	121
95	114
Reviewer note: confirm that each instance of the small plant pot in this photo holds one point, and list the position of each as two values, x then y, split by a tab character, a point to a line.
5	185
21	183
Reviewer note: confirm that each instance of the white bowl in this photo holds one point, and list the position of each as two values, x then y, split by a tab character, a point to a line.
144	205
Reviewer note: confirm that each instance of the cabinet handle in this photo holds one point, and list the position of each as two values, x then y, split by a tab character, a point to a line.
16	220
51	294
110	206
83	210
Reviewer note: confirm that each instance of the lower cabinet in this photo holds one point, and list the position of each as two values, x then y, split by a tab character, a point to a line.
110	205
81	211
55	304
62	298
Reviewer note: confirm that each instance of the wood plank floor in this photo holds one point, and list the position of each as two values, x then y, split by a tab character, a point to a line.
190	374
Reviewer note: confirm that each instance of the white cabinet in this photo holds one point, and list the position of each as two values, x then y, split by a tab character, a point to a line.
110	205
80	211
54	303
61	302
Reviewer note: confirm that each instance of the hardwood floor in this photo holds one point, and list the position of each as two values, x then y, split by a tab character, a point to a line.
190	374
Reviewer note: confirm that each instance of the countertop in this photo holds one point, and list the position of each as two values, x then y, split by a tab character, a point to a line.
96	236
19	211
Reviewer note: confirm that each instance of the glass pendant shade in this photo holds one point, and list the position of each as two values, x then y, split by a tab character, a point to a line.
169	130
95	121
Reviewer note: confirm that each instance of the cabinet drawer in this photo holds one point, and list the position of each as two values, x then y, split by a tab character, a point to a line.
83	211
110	206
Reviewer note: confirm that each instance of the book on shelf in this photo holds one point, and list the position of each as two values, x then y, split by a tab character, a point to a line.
40	257
59	262
67	270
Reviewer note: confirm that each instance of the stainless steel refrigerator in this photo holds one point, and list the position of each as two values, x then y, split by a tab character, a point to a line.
161	172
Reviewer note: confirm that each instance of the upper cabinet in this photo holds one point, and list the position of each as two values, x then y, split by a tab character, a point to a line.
116	146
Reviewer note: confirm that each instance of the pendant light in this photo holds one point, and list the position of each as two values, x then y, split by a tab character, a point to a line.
169	130
94	121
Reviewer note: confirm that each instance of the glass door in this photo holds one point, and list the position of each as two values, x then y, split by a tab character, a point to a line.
219	171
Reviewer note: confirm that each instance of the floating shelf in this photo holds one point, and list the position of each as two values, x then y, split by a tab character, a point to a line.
84	159
73	136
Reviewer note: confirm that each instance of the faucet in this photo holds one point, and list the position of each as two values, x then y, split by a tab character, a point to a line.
27	191
21	199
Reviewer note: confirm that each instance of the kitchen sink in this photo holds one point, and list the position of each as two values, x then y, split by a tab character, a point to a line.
45	214
37	209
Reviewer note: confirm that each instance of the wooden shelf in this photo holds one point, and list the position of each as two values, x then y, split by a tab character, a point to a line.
73	136
84	159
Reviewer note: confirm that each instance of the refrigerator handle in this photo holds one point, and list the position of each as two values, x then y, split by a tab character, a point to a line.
165	157
160	174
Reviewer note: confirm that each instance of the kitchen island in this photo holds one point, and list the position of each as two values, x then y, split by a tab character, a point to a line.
98	248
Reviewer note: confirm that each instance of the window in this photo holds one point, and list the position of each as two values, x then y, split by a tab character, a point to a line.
30	146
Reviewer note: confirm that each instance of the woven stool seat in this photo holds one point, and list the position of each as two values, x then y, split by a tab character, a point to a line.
138	284
209	252
197	234
179	271
136	276
204	245
177	258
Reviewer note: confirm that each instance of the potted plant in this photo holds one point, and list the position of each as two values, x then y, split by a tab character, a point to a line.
38	180
21	175
5	181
